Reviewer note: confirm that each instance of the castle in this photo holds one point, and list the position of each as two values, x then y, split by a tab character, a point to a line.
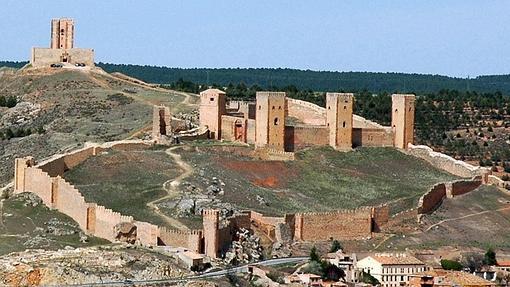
62	48
281	125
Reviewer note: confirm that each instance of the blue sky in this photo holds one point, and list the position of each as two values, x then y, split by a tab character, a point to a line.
449	37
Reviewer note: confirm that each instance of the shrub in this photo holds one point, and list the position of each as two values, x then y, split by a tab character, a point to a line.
314	255
490	257
451	265
335	246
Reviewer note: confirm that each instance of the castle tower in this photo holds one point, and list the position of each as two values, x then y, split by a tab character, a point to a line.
339	108
212	107
402	120
211	223
270	120
20	166
161	121
62	33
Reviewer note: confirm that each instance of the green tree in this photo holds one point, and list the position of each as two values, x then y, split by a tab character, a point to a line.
314	255
451	265
490	257
335	246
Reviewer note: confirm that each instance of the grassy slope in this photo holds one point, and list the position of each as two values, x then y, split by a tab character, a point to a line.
125	181
475	229
323	179
21	224
76	107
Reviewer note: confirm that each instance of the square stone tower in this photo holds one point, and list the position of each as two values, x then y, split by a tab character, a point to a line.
402	119
339	107
62	33
211	225
161	121
270	120
212	107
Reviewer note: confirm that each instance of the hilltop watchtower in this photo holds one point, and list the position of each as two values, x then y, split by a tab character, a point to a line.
270	120
339	107
62	33
212	107
402	119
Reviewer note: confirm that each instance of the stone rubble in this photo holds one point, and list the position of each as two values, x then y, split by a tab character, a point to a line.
84	266
245	249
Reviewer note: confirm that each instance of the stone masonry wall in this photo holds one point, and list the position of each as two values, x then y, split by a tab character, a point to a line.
39	183
44	57
447	163
371	137
183	238
352	224
299	137
432	199
69	201
464	186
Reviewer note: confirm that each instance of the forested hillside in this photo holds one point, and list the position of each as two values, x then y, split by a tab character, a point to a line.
310	80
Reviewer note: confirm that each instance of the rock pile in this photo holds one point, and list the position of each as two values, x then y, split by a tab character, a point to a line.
245	249
85	266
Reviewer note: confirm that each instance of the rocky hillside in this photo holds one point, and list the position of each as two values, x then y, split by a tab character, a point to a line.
60	109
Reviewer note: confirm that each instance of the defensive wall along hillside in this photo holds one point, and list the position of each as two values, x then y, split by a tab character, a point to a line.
45	180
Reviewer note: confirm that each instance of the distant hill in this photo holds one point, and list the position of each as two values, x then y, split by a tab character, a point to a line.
310	80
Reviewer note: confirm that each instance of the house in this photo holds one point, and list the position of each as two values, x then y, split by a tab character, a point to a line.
192	259
444	278
304	278
503	265
345	262
391	269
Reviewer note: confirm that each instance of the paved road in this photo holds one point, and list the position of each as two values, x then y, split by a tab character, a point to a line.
239	269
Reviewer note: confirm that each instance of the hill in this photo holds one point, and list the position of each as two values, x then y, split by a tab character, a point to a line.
315	80
319	179
60	109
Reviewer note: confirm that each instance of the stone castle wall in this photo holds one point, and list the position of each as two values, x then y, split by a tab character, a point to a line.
306	112
372	137
431	200
344	225
44	57
460	187
299	137
192	239
447	163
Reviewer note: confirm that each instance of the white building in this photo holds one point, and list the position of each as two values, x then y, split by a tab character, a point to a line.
391	269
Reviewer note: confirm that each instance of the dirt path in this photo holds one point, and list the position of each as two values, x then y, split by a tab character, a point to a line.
171	187
465	216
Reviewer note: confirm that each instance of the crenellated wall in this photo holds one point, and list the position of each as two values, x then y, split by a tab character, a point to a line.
192	239
447	163
350	224
431	200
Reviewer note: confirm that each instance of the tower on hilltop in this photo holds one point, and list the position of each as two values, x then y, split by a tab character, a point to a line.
212	107
402	119
339	107
62	33
270	120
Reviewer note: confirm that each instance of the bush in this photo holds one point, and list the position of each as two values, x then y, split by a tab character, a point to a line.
314	267
276	276
314	255
335	246
451	265
490	257
369	279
